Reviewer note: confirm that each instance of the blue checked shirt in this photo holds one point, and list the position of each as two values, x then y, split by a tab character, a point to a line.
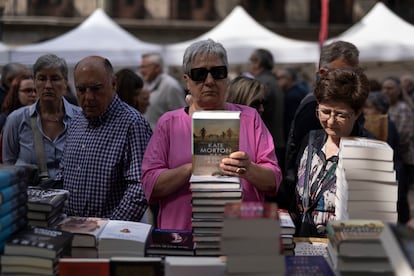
101	164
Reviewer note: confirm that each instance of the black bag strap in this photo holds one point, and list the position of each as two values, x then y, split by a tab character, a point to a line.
39	148
311	150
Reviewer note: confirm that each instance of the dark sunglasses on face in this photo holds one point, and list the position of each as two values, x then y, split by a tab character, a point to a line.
200	74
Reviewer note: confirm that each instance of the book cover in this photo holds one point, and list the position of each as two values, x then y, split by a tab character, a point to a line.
365	148
128	238
356	237
170	242
398	242
39	242
84	266
311	246
85	230
126	266
215	135
45	199
307	265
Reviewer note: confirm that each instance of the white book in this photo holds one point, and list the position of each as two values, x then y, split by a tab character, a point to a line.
365	148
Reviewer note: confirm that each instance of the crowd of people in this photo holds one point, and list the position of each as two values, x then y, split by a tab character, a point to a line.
121	142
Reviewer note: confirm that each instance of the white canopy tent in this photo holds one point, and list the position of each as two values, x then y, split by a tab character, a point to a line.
240	34
381	36
4	53
97	35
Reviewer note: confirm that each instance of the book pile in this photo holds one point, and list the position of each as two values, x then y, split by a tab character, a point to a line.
287	230
366	180
208	212
398	242
121	238
35	250
251	239
13	210
86	231
215	136
166	242
355	247
45	206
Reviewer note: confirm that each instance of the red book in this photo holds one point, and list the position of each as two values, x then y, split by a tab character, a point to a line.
83	267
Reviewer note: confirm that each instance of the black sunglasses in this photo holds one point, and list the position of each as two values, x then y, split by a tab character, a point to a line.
200	74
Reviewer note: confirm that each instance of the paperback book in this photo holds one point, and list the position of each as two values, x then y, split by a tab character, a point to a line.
45	199
166	242
215	135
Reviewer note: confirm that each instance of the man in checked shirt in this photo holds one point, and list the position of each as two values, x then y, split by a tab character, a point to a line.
101	164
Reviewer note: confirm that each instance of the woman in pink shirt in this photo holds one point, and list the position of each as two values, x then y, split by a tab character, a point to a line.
166	167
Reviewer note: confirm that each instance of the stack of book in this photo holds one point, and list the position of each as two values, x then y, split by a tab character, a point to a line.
366	180
121	238
86	231
13	196
287	230
208	203
398	242
45	206
35	250
166	242
215	136
355	247
251	239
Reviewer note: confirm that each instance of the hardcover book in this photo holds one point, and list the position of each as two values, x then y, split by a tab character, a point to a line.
27	260
308	265
215	136
356	238
85	230
39	242
126	266
45	199
365	148
200	266
170	242
123	238
84	267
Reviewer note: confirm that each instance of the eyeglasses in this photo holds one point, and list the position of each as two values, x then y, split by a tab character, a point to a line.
28	90
325	114
200	74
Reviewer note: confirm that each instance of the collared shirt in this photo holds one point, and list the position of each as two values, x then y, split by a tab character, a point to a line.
101	165
18	139
170	147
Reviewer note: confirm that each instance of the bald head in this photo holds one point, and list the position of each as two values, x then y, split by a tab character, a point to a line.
95	85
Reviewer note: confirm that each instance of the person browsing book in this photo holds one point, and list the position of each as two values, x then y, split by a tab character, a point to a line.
35	134
101	164
340	95
167	164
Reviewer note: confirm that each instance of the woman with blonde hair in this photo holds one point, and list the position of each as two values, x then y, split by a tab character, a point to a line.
246	91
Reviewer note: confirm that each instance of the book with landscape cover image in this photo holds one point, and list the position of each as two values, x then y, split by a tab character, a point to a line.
215	136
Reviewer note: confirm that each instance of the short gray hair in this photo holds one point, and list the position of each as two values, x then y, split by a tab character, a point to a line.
203	47
51	61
